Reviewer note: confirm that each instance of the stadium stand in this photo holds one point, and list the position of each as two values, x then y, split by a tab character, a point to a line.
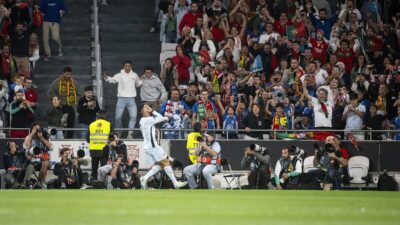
279	68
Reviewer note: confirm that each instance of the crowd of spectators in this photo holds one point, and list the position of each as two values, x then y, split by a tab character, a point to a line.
22	22
283	64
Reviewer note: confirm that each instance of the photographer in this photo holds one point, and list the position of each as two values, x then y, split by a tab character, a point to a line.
87	109
287	169
38	139
256	159
68	171
111	152
14	165
208	163
331	160
119	174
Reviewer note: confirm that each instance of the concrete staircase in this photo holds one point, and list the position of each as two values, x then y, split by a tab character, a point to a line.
76	39
124	35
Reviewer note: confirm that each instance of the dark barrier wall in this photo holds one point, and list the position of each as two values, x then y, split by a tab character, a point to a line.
382	155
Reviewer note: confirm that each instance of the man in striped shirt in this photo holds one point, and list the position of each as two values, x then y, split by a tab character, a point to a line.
154	153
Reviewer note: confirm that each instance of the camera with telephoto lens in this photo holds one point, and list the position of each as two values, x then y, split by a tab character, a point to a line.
123	160
295	150
52	131
259	149
44	133
34	151
79	154
328	148
135	163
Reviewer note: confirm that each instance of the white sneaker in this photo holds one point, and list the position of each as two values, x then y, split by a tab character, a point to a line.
85	186
44	186
180	184
143	183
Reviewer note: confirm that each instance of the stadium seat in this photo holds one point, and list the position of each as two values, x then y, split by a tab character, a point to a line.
308	164
168	47
358	169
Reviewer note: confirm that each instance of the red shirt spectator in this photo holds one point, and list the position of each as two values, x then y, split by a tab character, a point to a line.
189	19
319	47
183	64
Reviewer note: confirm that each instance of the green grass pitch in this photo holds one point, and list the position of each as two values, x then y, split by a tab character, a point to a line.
203	207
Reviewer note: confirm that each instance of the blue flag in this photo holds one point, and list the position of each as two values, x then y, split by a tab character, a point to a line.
257	65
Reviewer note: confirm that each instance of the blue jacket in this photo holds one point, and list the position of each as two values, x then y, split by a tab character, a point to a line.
324	25
51	10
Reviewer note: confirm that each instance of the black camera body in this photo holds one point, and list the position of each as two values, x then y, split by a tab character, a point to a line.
259	149
201	138
44	132
328	148
295	150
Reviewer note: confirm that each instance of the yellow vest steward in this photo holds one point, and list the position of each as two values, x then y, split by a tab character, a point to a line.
192	144
99	131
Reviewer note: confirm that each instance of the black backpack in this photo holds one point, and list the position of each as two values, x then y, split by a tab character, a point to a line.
387	183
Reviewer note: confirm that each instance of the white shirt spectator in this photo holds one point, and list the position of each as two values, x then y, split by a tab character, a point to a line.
321	77
127	83
354	121
321	120
272	37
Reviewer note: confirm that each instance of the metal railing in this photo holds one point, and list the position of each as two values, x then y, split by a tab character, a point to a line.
223	133
97	55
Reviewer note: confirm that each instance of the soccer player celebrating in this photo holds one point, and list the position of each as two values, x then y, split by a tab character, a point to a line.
154	152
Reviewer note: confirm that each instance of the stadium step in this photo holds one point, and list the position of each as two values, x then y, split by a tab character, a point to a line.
124	35
76	39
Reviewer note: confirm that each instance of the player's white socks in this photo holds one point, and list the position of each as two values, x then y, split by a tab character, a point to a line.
155	169
170	174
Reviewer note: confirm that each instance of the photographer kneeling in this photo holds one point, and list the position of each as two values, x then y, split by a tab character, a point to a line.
288	168
256	159
330	159
68	171
208	164
112	152
119	174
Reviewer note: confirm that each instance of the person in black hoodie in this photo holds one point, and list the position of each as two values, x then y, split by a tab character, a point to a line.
254	121
88	106
19	39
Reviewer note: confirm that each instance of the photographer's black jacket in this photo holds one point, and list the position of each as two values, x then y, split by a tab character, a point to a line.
15	160
86	114
121	149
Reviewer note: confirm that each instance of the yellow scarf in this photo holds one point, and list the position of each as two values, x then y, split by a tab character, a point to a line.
66	88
